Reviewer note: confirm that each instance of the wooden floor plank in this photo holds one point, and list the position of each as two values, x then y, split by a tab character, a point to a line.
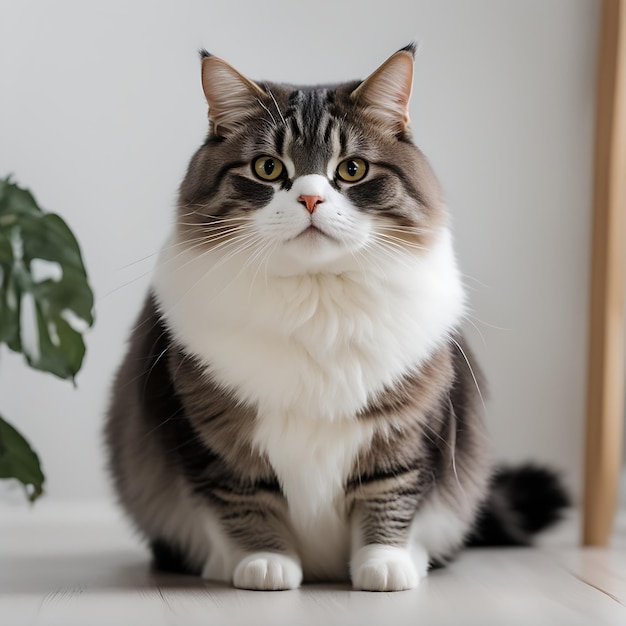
66	573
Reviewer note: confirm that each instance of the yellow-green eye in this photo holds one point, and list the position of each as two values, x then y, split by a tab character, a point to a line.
352	170
267	168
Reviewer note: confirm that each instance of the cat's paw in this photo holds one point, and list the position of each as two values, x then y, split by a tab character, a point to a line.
267	571
383	568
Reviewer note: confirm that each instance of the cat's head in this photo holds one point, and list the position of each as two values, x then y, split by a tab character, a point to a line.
309	179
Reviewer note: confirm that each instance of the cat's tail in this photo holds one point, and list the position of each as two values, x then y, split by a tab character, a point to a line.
522	501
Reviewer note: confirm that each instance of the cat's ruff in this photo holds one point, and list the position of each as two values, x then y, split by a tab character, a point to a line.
345	339
316	345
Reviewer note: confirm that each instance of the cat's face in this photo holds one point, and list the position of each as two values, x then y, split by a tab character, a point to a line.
309	179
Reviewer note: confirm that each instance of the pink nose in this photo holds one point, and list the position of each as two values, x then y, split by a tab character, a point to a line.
310	202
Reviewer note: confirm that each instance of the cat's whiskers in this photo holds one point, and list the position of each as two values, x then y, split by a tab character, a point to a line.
488	325
363	272
412	230
156	361
234	241
184	242
372	259
196	209
162	423
213	243
452	446
249	241
480	334
396	254
136	378
402	243
203	242
214	234
201	238
219	234
264	254
195	437
476	280
208	225
187	213
436	439
222	218
122	286
204	210
399	241
210	232
400	252
226	243
153	254
269	91
231	255
141	374
471	369
253	257
268	112
208	237
267	258
137	278
129	382
214	221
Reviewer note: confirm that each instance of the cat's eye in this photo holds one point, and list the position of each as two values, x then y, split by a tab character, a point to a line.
268	168
352	170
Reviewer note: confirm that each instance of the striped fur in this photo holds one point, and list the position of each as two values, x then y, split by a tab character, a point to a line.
297	401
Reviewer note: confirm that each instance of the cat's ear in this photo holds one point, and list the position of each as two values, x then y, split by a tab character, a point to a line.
231	96
385	94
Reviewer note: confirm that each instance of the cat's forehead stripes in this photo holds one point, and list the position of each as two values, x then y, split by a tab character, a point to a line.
310	138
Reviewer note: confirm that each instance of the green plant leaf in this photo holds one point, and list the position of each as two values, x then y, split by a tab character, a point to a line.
19	461
42	317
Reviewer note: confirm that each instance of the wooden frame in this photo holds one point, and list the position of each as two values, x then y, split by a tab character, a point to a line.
605	390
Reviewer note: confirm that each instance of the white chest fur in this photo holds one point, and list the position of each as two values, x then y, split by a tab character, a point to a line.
318	345
309	352
312	460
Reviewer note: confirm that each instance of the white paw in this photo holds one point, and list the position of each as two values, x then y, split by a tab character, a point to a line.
383	568
267	571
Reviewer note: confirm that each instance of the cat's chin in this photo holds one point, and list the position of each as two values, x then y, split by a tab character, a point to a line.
312	251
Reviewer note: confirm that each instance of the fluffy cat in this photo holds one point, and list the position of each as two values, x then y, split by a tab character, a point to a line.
297	401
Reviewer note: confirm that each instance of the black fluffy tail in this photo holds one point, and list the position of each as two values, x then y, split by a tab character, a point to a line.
522	501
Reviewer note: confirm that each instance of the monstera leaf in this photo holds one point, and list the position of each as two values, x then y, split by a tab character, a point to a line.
18	460
45	305
41	316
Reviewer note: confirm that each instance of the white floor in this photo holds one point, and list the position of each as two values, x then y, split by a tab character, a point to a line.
84	568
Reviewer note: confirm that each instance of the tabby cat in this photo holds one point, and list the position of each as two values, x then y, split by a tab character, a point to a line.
297	401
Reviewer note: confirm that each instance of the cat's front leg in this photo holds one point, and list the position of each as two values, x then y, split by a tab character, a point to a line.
382	556
251	544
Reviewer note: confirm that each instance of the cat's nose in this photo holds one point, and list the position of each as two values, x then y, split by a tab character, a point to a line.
310	202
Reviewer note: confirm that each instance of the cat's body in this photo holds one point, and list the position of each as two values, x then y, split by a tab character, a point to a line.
297	399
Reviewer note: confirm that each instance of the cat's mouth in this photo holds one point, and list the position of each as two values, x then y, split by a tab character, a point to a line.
312	232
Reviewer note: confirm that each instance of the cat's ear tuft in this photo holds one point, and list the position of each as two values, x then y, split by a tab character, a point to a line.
204	54
410	48
385	94
232	97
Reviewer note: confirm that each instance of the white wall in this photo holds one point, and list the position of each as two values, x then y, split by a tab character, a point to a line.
101	107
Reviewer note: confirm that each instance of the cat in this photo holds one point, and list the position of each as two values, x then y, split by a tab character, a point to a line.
298	401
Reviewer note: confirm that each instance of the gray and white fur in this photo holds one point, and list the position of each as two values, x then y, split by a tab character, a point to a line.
297	401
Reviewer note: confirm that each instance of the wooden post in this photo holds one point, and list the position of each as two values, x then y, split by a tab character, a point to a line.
605	390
